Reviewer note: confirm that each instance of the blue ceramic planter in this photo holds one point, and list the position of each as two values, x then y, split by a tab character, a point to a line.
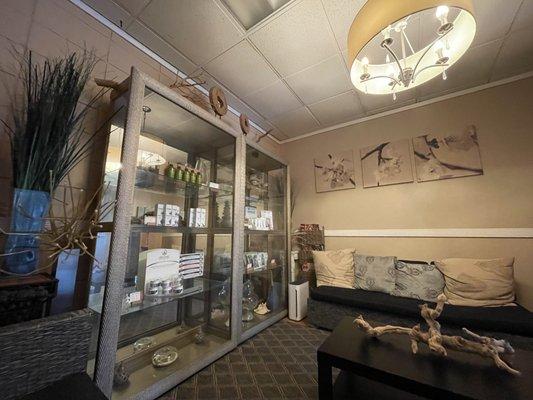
30	207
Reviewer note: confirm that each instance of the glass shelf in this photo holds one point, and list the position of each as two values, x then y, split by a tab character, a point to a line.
200	285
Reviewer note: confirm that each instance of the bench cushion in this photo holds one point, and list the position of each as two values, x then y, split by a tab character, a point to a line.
510	319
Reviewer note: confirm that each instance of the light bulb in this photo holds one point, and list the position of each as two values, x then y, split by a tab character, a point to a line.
387	59
365	62
444	76
442	14
394	96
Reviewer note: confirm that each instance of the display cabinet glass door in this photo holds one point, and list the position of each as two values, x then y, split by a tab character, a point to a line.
265	242
177	289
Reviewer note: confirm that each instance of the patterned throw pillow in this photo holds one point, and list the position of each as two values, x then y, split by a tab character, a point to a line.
418	280
473	282
375	273
334	268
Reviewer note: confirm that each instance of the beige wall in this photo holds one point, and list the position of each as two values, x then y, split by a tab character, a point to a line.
501	198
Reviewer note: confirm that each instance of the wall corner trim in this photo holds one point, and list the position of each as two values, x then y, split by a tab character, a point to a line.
507	233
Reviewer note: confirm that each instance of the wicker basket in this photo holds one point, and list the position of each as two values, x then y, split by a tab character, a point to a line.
39	352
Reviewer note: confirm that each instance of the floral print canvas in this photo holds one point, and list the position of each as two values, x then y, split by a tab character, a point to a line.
386	164
335	172
443	157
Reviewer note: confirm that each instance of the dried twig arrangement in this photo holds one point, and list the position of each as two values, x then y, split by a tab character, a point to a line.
70	227
482	345
187	88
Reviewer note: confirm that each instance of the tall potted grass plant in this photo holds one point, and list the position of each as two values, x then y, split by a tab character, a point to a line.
47	141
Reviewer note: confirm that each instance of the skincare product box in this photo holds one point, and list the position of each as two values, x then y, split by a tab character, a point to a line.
156	267
192	265
267	214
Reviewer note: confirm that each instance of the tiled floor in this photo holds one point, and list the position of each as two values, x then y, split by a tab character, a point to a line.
278	363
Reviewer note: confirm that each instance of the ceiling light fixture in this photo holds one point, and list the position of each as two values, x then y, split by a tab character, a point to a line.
409	42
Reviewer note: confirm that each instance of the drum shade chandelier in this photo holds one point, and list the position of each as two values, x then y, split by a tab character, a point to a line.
394	46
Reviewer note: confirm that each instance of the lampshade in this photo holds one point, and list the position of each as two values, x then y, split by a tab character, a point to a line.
401	65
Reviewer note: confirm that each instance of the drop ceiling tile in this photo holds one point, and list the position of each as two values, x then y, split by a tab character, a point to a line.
159	46
132	6
323	80
296	122
341	14
111	11
242	69
524	17
296	39
273	100
516	55
493	18
338	109
471	70
374	103
198	29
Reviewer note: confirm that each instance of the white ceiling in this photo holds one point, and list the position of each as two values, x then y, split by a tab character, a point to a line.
289	72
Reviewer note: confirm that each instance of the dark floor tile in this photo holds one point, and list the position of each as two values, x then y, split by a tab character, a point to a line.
239	368
285	358
252	358
222	368
186	393
207	393
205	380
275	367
292	392
191	382
244	379
269	358
303	379
236	358
225	379
294	367
311	391
283	379
271	392
263	378
257	367
228	392
249	392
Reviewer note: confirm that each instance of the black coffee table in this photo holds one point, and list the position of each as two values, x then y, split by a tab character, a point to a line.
386	368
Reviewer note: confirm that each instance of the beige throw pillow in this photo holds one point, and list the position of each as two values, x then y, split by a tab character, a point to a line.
474	282
334	268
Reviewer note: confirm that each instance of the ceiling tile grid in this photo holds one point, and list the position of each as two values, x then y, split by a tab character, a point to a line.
290	73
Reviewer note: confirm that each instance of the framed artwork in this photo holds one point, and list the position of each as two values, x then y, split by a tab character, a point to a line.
387	163
444	157
335	172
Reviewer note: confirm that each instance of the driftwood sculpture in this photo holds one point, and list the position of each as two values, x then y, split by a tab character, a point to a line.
438	343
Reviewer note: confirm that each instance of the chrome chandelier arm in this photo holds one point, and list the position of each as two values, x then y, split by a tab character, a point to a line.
427	49
396	81
386	46
430	66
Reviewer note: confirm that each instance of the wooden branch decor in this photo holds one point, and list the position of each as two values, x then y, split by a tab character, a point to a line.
482	345
218	101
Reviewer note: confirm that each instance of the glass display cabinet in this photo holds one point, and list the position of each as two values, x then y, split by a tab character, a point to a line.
193	258
169	242
264	298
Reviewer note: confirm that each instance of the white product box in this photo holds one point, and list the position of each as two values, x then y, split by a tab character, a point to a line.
203	218
192	218
157	264
267	214
250	212
160	214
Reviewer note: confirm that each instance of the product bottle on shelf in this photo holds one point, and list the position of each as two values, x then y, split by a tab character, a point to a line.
170	171
179	172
